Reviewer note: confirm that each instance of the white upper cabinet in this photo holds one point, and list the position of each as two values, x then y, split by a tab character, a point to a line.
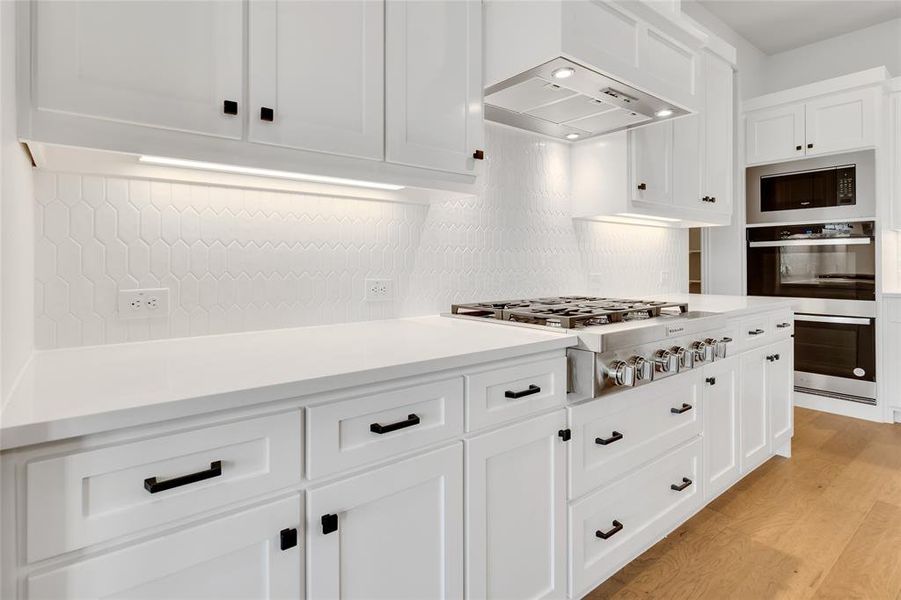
841	122
172	65
651	163
896	158
687	155
316	75
719	120
775	134
433	79
838	122
392	532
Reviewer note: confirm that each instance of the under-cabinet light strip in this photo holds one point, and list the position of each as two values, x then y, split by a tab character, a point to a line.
223	168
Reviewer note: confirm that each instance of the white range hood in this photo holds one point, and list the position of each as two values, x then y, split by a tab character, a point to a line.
567	100
574	69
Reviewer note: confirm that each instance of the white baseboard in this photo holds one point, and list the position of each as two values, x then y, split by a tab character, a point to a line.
840	407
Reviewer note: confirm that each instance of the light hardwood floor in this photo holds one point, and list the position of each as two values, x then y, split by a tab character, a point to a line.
825	523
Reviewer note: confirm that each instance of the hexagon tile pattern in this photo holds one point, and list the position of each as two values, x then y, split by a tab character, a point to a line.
239	259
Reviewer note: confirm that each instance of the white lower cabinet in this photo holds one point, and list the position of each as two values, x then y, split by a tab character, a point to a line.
613	525
722	464
780	390
755	437
391	532
239	556
516	511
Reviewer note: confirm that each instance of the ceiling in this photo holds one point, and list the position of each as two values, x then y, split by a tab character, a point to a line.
779	25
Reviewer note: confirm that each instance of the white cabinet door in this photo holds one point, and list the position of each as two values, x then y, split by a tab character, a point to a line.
433	79
238	557
722	465
775	134
841	122
719	118
687	154
651	163
162	64
516	511
780	389
318	66
896	159
755	414
398	531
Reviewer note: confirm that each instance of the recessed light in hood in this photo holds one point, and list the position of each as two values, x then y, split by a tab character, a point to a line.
582	104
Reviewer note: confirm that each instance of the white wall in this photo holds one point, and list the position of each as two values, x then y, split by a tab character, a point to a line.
855	51
16	222
238	259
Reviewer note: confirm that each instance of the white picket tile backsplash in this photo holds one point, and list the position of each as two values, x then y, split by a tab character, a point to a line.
242	259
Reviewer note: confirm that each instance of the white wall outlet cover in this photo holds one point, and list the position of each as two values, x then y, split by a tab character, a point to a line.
378	289
144	303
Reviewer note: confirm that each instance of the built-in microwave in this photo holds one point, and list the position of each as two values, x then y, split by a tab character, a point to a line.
826	188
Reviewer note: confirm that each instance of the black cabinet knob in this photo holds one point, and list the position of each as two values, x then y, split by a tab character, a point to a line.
642	186
266	114
287	538
797	147
479	155
711	380
810	145
230	107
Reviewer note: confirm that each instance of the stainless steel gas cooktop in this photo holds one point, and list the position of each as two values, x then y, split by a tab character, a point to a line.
570	312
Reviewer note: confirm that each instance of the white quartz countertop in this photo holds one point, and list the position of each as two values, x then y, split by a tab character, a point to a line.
732	306
71	392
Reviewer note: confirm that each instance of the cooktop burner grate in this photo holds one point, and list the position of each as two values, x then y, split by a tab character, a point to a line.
569	312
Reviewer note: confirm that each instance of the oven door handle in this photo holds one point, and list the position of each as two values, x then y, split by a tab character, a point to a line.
854	241
836	320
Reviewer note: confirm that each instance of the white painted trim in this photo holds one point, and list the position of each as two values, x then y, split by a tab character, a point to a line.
874	76
839	407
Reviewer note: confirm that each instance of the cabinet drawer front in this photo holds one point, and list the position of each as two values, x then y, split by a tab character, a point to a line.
238	556
503	394
633	513
87	497
613	436
345	434
756	331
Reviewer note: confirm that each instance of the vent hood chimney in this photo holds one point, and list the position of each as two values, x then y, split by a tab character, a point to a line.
566	100
574	69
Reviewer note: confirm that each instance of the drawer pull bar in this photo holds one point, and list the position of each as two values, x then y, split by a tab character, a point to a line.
412	419
755	332
153	486
615	437
533	389
783	325
617	527
679	411
678	488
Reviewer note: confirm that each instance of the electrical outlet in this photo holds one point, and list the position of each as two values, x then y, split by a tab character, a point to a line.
378	289
144	303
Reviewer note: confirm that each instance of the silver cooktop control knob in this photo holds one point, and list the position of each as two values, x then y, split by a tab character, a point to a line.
686	358
719	345
703	351
622	373
666	362
644	369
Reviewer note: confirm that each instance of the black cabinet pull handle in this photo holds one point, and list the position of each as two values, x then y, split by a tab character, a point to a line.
679	411
711	380
479	155
411	420
678	488
533	389
755	332
565	434
783	325
287	538
614	437
266	114
713	199
153	486
771	357
642	186
329	524
810	145
617	527
776	356
230	107
798	147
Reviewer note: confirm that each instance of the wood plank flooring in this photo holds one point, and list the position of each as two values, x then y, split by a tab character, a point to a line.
825	523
